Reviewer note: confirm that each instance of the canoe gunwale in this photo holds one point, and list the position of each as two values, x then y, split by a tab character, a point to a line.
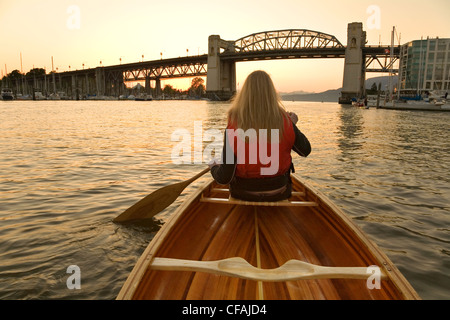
371	247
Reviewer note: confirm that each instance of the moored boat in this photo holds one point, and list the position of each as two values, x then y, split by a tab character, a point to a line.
416	105
7	94
23	97
54	96
144	97
39	96
214	248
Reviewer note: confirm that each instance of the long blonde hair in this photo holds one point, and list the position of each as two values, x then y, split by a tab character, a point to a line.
257	105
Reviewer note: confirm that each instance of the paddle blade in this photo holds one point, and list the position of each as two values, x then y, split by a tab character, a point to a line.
156	201
152	204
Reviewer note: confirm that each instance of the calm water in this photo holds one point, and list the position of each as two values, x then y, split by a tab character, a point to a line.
68	168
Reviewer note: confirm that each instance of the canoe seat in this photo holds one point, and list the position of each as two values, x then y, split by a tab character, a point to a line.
284	203
294	193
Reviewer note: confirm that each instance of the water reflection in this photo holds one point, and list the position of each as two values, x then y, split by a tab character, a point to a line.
67	168
351	138
217	115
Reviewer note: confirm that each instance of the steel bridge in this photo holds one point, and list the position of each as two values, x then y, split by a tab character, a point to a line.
219	64
285	44
297	44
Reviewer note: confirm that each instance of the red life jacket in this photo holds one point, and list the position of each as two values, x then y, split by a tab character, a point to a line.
251	166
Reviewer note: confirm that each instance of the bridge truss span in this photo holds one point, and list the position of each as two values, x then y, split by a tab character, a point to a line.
381	59
293	39
166	69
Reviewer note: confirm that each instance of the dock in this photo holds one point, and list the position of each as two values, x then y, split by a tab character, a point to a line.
415	106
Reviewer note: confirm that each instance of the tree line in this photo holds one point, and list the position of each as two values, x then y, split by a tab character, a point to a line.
17	75
197	89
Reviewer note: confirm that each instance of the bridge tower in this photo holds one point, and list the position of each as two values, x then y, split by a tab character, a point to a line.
221	77
354	66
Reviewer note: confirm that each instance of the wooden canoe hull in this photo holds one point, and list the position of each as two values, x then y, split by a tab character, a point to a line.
266	237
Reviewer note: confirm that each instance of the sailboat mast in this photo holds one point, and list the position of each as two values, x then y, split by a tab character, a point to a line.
53	78
399	66
391	53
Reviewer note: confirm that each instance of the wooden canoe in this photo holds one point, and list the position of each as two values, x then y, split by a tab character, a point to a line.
217	248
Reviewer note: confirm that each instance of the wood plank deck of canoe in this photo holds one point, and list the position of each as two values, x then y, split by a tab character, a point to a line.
266	237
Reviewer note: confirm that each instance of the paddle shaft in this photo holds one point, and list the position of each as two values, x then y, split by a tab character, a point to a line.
198	175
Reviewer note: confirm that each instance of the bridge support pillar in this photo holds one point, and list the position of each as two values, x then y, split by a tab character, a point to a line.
354	67
221	78
74	88
158	90
148	88
100	81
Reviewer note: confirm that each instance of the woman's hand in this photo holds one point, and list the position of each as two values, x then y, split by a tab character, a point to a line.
293	117
213	162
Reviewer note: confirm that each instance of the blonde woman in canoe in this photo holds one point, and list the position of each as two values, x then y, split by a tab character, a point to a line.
256	159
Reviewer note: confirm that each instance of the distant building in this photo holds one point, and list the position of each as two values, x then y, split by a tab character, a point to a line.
425	66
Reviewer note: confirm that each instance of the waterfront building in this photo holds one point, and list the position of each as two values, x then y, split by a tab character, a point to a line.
424	67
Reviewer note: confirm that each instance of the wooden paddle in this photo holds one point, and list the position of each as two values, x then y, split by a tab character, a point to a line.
156	201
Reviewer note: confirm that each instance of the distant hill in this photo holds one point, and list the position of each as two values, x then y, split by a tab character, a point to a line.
296	92
328	96
384	80
333	95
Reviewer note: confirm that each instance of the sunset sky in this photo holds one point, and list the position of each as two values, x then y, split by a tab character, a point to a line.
87	32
